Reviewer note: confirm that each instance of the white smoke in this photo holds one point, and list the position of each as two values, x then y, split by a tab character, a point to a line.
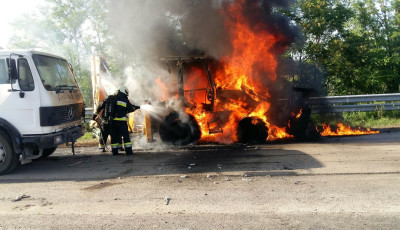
148	30
110	84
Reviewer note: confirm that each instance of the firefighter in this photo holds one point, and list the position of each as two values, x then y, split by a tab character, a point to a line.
118	121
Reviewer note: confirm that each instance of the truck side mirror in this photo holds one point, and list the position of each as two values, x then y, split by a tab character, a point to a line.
70	66
12	69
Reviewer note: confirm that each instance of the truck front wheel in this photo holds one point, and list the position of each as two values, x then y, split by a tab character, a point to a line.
175	131
8	158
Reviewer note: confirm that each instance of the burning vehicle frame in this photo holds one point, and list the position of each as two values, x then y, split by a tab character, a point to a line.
210	90
181	127
250	129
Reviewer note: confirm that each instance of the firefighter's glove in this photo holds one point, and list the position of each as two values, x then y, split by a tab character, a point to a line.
94	117
137	107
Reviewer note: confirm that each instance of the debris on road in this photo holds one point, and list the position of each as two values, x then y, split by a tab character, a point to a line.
19	198
209	176
167	199
184	176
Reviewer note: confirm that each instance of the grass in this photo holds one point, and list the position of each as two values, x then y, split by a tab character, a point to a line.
87	136
86	140
374	120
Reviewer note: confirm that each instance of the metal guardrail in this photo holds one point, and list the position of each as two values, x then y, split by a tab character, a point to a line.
88	114
355	103
340	104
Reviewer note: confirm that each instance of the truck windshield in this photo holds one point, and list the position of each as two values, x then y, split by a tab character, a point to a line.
54	72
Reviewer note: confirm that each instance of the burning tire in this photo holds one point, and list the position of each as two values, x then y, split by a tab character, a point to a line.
8	158
252	130
173	130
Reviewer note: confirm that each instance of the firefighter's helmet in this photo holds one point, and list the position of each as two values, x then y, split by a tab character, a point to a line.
124	90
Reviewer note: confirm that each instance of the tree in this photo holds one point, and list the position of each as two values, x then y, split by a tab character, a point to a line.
356	43
323	23
74	29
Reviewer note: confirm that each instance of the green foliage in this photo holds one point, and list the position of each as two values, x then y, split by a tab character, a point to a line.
356	42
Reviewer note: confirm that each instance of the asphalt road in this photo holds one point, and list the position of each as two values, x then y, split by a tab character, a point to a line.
348	182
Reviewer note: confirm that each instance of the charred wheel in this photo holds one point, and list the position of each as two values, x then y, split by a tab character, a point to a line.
175	131
252	130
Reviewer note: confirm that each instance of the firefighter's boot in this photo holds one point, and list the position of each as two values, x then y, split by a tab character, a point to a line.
128	151
114	149
128	147
102	148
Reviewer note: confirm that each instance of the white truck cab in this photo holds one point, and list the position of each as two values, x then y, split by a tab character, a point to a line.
41	106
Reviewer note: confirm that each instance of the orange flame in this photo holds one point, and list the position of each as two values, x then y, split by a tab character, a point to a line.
276	133
298	115
343	130
240	71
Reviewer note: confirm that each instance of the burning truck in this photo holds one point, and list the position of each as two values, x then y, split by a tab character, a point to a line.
195	108
225	98
217	112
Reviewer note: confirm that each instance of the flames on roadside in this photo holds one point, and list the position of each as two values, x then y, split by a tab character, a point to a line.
343	130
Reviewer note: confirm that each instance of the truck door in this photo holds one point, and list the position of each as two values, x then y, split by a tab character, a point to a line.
19	99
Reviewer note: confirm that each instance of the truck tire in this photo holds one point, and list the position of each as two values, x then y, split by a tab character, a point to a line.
48	152
173	130
8	158
252	130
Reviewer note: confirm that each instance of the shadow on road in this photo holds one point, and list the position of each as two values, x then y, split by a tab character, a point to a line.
88	164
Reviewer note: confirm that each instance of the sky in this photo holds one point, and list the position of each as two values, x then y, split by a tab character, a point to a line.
9	11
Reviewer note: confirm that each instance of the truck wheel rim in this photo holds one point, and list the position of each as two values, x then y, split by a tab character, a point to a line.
2	154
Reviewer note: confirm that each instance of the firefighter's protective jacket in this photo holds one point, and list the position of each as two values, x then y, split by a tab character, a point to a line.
123	107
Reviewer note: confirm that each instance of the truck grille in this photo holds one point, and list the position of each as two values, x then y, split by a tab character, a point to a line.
58	115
